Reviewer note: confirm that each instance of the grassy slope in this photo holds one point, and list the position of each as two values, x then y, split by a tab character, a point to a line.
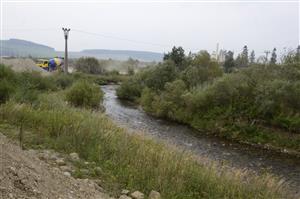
131	161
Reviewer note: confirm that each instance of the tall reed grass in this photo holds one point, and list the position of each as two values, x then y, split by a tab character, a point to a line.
130	160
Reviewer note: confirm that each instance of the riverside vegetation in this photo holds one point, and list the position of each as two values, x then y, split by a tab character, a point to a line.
239	99
57	112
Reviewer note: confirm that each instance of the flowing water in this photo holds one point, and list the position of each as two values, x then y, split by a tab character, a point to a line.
233	154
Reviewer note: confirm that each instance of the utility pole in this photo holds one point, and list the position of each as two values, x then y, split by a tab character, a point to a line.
66	34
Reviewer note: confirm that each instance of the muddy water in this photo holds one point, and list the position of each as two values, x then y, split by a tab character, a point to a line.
235	155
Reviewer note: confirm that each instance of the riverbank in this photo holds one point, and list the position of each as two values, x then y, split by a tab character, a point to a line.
132	161
257	105
220	150
128	161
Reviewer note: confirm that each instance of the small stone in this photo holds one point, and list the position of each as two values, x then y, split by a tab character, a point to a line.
13	170
98	182
124	197
65	168
67	173
85	180
74	156
60	162
125	192
98	170
97	187
53	157
137	195
154	195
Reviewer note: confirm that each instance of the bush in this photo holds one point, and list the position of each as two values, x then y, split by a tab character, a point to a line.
63	81
6	90
7	83
84	94
88	65
34	80
129	90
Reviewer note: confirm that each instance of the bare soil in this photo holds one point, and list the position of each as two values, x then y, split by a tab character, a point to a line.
24	175
23	64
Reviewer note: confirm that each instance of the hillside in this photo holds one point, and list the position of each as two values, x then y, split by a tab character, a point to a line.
23	48
17	47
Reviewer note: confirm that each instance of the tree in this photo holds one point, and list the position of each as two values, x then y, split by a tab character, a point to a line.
242	59
177	56
244	56
202	58
229	62
273	57
252	57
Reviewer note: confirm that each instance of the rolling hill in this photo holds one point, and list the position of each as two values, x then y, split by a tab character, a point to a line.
23	48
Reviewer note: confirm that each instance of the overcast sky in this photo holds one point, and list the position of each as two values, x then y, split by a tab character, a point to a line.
155	26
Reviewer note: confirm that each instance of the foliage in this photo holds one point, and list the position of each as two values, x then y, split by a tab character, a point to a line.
262	96
242	59
229	62
273	59
84	94
252	57
177	56
7	83
130	90
131	161
63	81
88	65
202	69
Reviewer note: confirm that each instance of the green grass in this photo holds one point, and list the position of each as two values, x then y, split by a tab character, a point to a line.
126	161
129	161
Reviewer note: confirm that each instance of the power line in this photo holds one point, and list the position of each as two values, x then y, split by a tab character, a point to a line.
120	38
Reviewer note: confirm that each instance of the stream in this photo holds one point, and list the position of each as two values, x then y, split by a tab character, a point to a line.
233	154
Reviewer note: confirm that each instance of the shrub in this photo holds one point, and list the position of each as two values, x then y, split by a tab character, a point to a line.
63	81
6	90
34	80
7	83
129	90
88	65
84	94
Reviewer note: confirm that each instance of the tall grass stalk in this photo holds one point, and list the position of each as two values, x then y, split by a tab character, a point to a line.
132	161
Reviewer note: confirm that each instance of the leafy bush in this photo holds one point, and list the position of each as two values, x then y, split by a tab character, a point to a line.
84	94
7	83
6	90
88	65
129	90
34	80
63	81
205	98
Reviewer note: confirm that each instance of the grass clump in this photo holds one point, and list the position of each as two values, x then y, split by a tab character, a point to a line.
84	94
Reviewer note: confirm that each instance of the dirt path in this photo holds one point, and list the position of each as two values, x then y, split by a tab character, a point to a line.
24	175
